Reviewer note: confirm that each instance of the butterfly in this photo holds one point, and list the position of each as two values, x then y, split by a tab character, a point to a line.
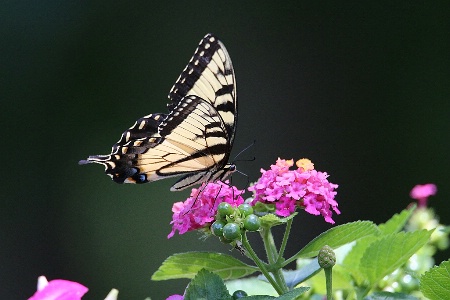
194	139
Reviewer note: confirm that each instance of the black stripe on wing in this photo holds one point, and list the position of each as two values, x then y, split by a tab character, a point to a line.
194	70
143	128
197	125
120	165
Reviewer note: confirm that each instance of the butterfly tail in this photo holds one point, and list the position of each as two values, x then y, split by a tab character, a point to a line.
97	159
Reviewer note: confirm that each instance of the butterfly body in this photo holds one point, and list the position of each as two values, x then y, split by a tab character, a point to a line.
194	139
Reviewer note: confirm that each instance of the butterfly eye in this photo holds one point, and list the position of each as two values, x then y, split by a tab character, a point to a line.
232	168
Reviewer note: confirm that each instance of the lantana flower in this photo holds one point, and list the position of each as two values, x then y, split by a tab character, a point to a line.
303	187
421	192
200	209
58	289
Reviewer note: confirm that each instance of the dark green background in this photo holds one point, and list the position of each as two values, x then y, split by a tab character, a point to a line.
361	89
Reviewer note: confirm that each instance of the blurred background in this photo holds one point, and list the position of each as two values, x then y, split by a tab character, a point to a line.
362	89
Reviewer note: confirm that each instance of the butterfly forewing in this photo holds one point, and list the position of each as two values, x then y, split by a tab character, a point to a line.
194	139
210	75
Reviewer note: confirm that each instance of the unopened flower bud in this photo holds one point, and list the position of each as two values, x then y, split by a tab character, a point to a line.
326	257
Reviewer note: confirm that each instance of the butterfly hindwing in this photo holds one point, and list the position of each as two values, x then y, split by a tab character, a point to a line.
194	139
192	143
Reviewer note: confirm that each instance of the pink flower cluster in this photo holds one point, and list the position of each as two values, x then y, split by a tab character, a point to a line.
289	189
200	208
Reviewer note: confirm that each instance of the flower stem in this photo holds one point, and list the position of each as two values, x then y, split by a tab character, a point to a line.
326	260
260	265
329	282
284	242
269	245
278	274
273	257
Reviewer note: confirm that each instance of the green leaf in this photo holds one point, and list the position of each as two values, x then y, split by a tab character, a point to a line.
445	229
186	265
435	283
341	281
261	209
271	220
338	236
389	296
397	222
256	287
252	286
291	295
294	277
385	255
352	261
207	285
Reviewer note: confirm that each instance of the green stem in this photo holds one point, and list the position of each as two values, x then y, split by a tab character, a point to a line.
260	264
329	282
285	239
361	292
269	245
288	261
273	257
278	274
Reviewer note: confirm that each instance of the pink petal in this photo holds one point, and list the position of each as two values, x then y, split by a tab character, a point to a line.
175	297
60	289
423	191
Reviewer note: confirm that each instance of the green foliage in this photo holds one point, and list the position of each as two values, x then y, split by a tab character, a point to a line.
368	257
389	296
352	261
435	284
385	255
186	265
262	208
338	236
397	222
252	285
298	276
270	220
341	281
207	285
291	295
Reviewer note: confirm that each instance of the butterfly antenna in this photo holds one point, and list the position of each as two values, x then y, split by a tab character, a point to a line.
243	150
246	176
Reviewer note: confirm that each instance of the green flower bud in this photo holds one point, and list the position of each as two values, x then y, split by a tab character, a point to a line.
326	257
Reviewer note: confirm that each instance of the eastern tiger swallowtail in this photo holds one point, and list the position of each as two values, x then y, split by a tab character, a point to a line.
194	139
